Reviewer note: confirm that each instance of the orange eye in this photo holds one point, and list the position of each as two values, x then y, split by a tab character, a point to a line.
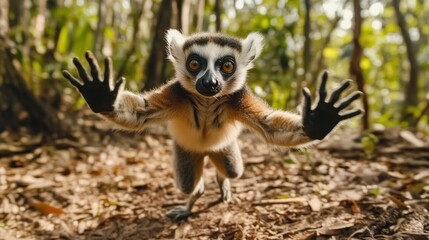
194	65
228	67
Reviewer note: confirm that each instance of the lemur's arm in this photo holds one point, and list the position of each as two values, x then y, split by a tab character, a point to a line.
136	111
276	127
289	129
128	110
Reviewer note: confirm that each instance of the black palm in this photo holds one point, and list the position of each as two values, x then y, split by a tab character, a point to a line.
96	92
320	121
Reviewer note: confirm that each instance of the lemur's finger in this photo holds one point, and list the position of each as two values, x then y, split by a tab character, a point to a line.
336	94
74	81
322	88
351	114
93	65
119	83
307	100
347	101
107	70
82	72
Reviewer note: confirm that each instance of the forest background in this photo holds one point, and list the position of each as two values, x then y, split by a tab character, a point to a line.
65	174
382	45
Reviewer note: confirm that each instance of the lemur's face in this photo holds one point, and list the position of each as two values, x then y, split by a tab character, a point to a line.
212	65
210	68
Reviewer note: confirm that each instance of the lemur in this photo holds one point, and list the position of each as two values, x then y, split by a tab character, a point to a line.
206	106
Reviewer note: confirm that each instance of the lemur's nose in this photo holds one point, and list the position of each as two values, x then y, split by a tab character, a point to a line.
207	85
210	83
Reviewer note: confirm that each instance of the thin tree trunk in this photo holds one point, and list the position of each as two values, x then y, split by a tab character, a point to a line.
218	12
51	87
39	26
422	114
307	49
186	17
200	15
307	42
169	15
101	24
136	16
411	89
319	64
4	21
355	68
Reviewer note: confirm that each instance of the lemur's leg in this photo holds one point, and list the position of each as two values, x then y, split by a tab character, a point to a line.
188	167
229	164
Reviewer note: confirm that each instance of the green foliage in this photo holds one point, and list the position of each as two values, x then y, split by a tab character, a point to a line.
278	75
369	142
289	161
374	190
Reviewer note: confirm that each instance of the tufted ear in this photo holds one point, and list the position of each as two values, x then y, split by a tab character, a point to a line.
252	46
175	41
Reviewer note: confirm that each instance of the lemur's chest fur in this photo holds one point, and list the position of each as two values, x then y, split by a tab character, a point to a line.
205	125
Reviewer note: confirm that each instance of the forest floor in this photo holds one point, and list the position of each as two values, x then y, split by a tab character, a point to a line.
115	185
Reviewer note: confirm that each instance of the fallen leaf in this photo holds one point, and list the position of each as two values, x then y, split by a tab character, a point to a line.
396	175
355	207
398	202
334	228
422	174
279	201
315	204
411	138
46	208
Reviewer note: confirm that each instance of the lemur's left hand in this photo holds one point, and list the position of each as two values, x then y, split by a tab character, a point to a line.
320	121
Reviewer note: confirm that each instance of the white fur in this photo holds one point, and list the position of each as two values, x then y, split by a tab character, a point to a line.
212	52
175	41
252	48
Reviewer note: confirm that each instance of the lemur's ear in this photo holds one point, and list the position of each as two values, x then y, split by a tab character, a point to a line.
175	41
252	46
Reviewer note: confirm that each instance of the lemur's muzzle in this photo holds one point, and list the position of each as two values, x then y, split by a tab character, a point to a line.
207	85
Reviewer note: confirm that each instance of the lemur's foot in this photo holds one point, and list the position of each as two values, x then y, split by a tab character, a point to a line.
225	189
179	213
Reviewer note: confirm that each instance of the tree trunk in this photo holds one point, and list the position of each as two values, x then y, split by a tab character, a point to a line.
306	58
101	25
320	60
218	12
355	68
156	65
136	16
42	119
200	15
307	42
411	89
4	24
186	17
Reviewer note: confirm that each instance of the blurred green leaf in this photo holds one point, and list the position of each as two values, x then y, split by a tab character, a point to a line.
289	161
63	40
374	190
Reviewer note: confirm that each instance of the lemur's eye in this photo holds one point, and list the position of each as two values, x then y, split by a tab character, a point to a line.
194	65
228	67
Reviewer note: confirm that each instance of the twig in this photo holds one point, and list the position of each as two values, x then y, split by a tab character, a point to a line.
362	230
280	201
412	234
310	227
424	111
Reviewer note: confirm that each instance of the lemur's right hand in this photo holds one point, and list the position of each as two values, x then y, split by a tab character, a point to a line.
98	93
